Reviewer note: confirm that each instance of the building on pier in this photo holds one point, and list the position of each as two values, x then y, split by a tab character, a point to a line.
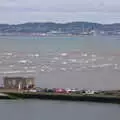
18	82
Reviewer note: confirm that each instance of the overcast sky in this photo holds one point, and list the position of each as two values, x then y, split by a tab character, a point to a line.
20	11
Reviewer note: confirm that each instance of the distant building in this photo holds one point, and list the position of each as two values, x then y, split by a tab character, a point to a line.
18	82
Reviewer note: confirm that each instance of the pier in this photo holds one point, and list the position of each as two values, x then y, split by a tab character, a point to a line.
24	88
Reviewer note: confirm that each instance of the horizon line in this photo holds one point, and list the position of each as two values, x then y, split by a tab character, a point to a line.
61	22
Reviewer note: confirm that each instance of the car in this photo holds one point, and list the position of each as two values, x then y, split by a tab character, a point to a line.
60	90
32	90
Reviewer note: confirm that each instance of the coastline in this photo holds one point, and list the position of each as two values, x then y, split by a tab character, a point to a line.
63	97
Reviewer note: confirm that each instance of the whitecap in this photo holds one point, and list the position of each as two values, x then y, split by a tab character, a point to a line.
64	63
33	67
8	54
42	70
33	55
116	66
73	60
104	65
11	65
36	55
94	66
64	54
86	61
23	61
9	72
31	71
63	69
45	67
56	58
50	69
92	60
84	54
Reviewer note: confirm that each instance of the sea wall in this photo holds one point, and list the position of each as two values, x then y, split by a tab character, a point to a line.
68	97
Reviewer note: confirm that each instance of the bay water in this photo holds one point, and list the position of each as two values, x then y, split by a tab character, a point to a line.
89	62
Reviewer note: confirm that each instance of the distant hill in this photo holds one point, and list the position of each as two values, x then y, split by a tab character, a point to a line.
73	27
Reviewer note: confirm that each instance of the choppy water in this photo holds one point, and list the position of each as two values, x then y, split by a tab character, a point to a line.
82	62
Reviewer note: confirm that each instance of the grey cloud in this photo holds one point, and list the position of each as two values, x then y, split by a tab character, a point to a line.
61	6
61	17
59	10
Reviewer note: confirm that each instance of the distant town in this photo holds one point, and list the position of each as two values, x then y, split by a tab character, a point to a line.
55	29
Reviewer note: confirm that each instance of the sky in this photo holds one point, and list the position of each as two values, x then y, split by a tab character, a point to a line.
59	11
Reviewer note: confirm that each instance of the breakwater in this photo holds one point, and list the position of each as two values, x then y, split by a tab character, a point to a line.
67	97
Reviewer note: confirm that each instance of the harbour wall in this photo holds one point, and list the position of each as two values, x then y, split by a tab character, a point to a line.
66	97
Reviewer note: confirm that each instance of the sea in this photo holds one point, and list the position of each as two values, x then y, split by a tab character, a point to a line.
84	62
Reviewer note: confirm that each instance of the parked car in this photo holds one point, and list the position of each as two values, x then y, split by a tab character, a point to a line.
90	92
39	89
60	90
48	90
32	90
68	90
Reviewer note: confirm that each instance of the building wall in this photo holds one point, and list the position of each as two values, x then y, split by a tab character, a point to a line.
15	82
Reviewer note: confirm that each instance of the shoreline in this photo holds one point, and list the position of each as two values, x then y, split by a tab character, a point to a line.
63	97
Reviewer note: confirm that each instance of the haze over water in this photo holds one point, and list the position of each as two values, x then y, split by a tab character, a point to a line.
84	62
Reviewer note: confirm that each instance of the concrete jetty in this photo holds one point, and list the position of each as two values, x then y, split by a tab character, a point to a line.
24	88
